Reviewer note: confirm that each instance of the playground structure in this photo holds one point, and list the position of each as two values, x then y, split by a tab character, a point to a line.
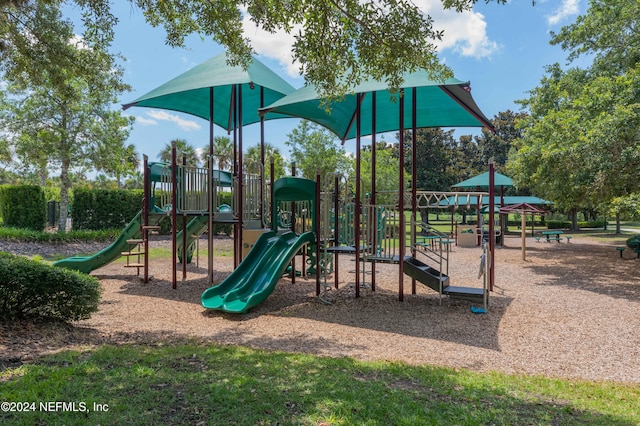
312	220
272	226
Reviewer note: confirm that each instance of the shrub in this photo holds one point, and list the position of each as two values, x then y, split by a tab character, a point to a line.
634	242
30	289
98	209
566	224
23	206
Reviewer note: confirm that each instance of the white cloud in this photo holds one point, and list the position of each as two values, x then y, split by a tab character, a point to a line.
464	33
186	125
277	45
566	9
78	42
146	121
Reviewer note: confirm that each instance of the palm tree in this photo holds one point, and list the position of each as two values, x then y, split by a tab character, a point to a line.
183	149
252	160
222	152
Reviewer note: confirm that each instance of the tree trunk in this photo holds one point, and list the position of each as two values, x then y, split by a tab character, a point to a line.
574	219
618	227
65	184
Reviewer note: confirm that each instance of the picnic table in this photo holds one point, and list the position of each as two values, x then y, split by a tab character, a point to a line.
554	234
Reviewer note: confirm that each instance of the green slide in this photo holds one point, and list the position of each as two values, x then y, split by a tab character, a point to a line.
195	228
87	264
257	275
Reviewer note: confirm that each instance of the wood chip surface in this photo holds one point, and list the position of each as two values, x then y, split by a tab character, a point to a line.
569	310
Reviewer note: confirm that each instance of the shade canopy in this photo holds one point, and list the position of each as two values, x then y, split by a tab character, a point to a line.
472	201
482	181
522	208
438	104
190	92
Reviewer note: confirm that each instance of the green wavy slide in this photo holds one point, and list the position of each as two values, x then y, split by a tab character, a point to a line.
86	264
257	275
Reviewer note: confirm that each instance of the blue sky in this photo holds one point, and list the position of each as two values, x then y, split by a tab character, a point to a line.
501	49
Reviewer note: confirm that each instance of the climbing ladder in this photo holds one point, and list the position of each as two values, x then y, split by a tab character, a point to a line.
139	248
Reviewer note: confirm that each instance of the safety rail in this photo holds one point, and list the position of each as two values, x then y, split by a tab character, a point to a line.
432	244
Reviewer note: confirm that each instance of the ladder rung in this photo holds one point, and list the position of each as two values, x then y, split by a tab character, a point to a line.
151	227
134	265
132	253
136	241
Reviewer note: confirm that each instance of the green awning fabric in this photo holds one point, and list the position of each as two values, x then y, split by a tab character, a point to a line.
482	181
190	92
438	104
508	200
223	178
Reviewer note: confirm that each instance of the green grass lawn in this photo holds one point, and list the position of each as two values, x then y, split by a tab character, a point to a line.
193	384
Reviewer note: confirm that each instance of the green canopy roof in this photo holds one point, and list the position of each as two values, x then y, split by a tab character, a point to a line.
473	201
190	92
438	104
482	181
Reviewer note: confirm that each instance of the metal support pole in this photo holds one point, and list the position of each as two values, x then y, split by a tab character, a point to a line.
336	232
317	231
210	201
414	173
174	216
492	236
145	215
356	207
374	189
402	230
293	228
184	220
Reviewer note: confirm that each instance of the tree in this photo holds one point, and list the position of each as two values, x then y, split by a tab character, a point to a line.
435	150
467	161
497	144
34	44
580	142
252	161
58	118
183	149
382	39
628	206
387	166
608	32
112	155
222	153
314	149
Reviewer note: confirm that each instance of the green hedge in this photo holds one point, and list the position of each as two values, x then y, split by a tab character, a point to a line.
566	224
93	209
23	206
30	289
98	209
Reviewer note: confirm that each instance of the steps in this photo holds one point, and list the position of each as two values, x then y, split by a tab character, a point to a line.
138	251
433	279
427	275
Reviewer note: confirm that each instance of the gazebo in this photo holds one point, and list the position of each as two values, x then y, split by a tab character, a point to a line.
523	209
481	183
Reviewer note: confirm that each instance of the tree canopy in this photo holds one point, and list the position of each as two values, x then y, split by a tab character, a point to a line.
580	140
57	113
316	150
336	43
